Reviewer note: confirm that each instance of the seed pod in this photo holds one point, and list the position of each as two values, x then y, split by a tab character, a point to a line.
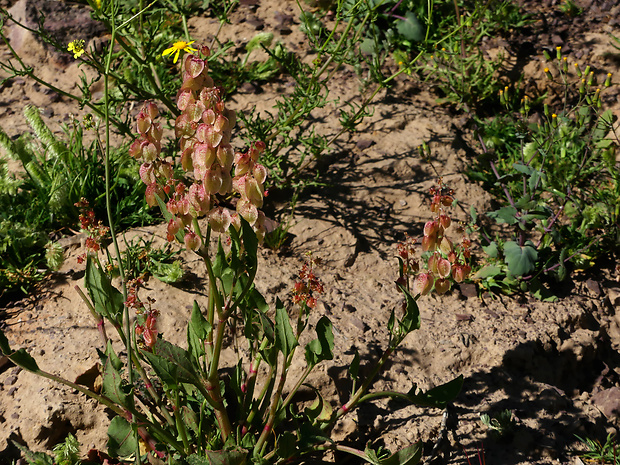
423	284
220	219
429	243
442	286
192	241
445	221
430	228
443	267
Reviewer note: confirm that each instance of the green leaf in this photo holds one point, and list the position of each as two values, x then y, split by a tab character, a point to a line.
107	299
355	365
525	203
19	357
491	250
319	411
197	330
520	260
286	447
219	263
121	439
250	242
34	458
409	455
540	292
219	457
410	27
473	214
322	347
113	387
487	271
285	338
171	363
504	215
411	320
438	396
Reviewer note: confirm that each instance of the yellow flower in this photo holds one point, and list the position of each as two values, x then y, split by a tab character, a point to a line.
77	47
177	47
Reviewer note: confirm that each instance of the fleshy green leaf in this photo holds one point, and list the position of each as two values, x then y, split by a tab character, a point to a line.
409	455
113	387
285	338
107	299
319	411
504	215
520	260
197	330
322	347
121	439
171	363
438	396
410	27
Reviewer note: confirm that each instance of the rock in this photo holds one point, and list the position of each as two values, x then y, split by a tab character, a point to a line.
608	402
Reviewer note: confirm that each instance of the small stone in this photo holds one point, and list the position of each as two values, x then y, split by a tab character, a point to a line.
593	286
363	144
10	381
468	290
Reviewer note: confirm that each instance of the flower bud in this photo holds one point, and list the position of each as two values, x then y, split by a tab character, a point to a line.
422	284
442	286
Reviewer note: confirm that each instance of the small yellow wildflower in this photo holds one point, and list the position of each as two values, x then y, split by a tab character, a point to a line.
177	47
77	47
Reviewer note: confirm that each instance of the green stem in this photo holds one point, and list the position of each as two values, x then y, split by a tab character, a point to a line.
355	400
268	428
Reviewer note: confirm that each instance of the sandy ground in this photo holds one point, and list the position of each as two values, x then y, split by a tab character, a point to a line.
554	365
